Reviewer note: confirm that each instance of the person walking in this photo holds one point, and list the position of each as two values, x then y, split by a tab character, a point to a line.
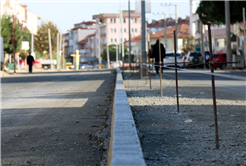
30	61
155	54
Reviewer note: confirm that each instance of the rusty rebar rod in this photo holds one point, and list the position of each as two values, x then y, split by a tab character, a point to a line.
160	66
176	74
213	88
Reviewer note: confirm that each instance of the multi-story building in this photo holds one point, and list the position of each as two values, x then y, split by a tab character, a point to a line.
87	24
25	18
87	49
108	29
183	31
78	33
158	25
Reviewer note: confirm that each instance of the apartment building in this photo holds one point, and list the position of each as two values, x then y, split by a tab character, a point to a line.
87	49
158	25
109	30
24	17
78	33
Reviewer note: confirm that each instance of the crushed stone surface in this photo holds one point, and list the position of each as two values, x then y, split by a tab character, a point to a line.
187	137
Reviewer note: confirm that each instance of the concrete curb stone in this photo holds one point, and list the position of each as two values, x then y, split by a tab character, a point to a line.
124	148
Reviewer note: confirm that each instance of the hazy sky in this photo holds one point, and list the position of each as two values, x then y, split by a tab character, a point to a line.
65	13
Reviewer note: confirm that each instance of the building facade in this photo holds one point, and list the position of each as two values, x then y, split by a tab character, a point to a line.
109	30
24	17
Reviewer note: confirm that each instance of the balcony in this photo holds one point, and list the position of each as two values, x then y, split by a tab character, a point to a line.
103	35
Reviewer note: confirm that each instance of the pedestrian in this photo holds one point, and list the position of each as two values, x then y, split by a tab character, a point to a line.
155	54
30	61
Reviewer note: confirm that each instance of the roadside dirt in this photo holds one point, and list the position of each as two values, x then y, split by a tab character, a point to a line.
64	133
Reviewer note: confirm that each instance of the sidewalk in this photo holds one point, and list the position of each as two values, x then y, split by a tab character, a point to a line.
188	137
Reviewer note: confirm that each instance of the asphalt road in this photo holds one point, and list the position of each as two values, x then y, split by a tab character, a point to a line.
52	118
233	82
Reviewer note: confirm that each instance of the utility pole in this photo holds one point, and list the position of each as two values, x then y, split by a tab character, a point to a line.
176	23
122	43
129	20
244	50
117	40
50	50
108	60
143	33
202	43
57	52
176	19
60	50
228	34
63	52
32	46
165	30
14	43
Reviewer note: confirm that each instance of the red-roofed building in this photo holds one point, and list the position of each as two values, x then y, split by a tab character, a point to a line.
79	33
183	31
87	48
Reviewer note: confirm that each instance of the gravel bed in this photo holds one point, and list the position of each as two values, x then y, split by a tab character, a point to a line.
188	137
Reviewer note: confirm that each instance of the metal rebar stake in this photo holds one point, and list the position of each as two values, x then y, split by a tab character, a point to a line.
176	74
160	66
213	88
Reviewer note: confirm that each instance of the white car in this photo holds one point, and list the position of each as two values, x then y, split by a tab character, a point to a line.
86	66
194	59
169	60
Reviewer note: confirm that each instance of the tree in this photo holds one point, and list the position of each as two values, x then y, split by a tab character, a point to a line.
41	40
7	34
188	44
112	52
214	12
23	54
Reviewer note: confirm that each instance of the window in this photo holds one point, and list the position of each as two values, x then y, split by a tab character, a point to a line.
136	29
136	20
114	20
124	20
111	30
112	40
124	39
115	40
111	20
132	30
115	30
124	29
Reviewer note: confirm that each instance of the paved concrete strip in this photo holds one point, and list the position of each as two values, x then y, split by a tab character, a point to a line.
125	149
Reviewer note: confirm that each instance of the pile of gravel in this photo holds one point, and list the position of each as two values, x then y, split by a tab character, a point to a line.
188	137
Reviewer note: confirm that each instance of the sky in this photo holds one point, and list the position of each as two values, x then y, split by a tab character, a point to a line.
66	13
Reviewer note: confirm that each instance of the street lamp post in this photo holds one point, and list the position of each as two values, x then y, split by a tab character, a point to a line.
165	26
176	21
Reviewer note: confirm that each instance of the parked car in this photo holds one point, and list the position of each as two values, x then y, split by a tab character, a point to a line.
169	60
194	58
86	66
218	58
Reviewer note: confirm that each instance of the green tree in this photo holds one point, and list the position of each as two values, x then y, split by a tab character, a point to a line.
23	54
188	44
112	52
214	12
41	40
7	34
